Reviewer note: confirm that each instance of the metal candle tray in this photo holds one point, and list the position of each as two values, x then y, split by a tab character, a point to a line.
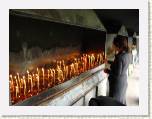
59	89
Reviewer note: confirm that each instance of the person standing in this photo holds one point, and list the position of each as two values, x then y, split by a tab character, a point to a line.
118	70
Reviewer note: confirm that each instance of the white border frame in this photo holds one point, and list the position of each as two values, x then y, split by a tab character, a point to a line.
5	109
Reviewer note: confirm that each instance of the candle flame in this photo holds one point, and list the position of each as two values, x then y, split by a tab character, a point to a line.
34	82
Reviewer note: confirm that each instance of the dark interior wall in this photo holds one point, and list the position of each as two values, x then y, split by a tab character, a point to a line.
47	35
93	41
44	34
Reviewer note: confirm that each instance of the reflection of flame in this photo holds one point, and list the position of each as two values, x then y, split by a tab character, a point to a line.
32	83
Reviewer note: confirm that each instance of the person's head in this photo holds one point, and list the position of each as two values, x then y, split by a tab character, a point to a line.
121	44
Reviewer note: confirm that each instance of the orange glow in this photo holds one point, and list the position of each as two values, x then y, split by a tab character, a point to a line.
31	83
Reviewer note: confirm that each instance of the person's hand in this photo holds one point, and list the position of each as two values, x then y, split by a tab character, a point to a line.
106	70
106	61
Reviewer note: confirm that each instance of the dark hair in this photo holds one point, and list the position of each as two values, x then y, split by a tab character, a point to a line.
121	42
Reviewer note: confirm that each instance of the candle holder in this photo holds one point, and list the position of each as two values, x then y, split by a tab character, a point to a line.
34	82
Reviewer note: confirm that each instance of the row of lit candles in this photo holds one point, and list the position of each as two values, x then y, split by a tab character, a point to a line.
32	83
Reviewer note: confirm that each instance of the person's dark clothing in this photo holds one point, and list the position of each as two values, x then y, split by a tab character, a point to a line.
104	101
118	77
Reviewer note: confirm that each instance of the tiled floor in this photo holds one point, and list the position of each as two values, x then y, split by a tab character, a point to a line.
133	88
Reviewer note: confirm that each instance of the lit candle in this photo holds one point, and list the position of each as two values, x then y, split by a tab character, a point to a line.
48	81
103	54
48	73
83	66
38	81
24	82
63	63
37	71
43	76
57	69
12	85
31	83
34	80
11	77
71	70
76	67
75	59
64	72
85	63
16	87
73	67
93	60
16	81
60	64
11	80
53	75
89	61
98	59
17	91
61	75
18	77
37	78
28	80
102	57
21	86
67	72
81	59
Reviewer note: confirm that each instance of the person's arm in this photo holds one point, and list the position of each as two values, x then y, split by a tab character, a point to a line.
108	70
118	67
